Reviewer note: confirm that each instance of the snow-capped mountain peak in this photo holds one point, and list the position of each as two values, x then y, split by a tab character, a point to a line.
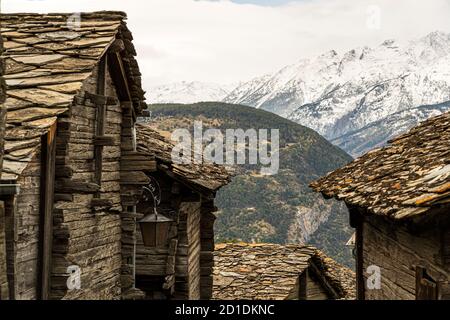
188	92
343	95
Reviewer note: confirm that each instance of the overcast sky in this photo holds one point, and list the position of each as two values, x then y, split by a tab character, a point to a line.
227	41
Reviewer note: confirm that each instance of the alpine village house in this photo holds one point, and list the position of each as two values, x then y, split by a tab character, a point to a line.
399	202
75	182
263	271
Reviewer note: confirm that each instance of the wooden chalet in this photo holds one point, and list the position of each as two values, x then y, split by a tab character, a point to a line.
279	272
70	174
183	268
399	202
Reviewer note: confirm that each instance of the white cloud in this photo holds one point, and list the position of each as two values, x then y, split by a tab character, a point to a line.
221	41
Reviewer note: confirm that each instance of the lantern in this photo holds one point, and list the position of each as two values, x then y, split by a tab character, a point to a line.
155	229
154	226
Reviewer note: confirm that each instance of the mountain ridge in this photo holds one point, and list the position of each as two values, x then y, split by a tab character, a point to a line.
279	208
342	95
338	94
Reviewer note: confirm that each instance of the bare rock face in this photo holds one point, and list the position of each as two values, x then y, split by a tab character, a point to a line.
274	209
307	220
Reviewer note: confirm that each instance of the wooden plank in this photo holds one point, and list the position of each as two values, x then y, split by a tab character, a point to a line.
48	157
4	290
398	252
426	288
100	120
303	285
104	140
97	202
119	77
357	221
76	186
324	283
100	99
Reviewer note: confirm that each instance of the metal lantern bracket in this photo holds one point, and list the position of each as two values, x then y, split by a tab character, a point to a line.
154	226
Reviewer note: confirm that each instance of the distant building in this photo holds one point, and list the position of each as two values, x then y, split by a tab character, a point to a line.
399	202
278	272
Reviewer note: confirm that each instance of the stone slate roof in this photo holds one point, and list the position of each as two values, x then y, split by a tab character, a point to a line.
406	179
47	61
206	176
270	271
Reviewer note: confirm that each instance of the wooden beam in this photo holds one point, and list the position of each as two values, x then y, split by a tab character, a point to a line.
117	46
119	76
76	186
322	280
104	140
97	202
99	99
48	156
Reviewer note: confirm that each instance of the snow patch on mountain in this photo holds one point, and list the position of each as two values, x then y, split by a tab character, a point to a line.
189	92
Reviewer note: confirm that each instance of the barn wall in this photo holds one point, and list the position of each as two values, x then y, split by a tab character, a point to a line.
396	251
314	290
4	291
207	249
188	257
152	261
86	236
22	219
154	265
3	277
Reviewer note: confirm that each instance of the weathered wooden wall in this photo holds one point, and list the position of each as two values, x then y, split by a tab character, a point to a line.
2	99
87	231
153	262
4	290
397	252
207	248
25	217
192	244
132	178
314	290
188	258
4	293
307	288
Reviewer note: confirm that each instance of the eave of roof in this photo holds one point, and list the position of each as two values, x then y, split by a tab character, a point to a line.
207	176
407	179
270	271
